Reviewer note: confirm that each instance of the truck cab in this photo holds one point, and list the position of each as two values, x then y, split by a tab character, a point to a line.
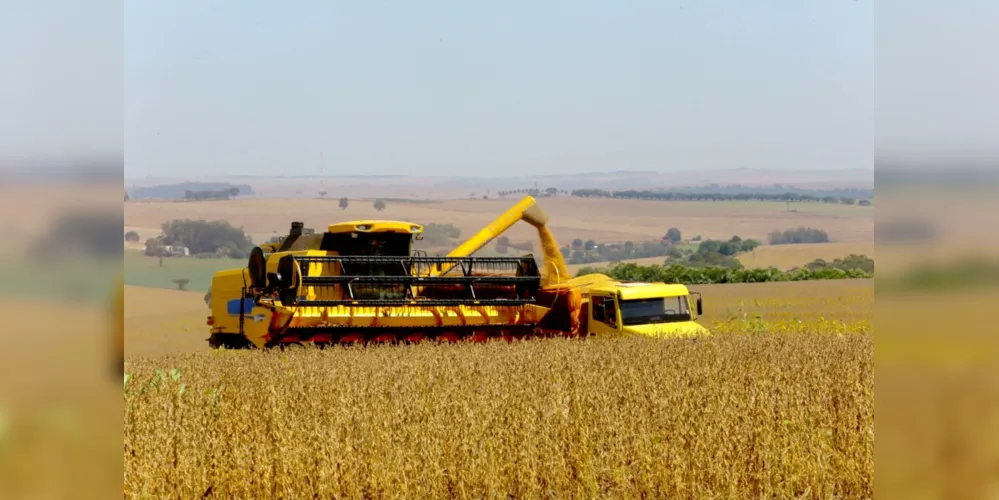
647	309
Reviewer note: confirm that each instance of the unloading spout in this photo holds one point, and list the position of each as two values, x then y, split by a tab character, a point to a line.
526	209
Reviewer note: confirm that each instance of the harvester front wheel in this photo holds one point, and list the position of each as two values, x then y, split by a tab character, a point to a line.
228	341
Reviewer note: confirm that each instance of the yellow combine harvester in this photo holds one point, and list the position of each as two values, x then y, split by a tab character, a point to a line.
361	281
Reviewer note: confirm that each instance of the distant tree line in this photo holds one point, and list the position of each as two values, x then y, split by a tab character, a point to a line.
852	261
796	197
221	194
179	191
713	253
589	252
705	253
798	235
543	193
678	273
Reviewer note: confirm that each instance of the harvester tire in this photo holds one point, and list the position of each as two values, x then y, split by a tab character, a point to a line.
228	341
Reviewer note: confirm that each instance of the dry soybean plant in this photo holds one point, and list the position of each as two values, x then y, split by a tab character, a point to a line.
733	416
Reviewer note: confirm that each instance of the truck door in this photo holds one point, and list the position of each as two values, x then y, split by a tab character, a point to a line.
604	317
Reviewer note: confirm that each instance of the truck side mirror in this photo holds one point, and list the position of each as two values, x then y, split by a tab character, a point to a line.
700	306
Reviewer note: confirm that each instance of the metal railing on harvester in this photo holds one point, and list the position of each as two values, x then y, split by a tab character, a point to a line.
417	280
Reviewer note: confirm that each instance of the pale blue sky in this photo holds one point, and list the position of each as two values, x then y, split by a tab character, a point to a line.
254	87
514	88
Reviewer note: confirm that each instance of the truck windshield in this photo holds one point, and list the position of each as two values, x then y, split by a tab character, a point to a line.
658	310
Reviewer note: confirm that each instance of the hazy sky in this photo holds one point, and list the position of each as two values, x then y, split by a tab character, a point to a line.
513	88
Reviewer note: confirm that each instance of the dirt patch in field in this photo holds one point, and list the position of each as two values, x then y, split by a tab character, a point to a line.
159	321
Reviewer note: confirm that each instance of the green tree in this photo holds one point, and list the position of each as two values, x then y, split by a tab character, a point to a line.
343	203
132	237
674	235
576	243
798	235
379	205
749	245
201	236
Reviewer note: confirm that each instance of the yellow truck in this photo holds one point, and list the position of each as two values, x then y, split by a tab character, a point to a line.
612	307
361	281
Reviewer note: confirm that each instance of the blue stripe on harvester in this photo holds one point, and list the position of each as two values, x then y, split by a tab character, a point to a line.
233	306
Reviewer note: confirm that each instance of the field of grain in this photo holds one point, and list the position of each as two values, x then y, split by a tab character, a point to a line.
785	257
604	220
744	416
752	411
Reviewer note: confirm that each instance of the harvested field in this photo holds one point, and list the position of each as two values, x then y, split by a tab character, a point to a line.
159	321
604	220
785	257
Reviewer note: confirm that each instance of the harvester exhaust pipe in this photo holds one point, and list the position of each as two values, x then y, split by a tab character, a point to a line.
296	231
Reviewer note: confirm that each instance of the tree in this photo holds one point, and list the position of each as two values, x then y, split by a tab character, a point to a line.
322	194
864	203
798	235
674	235
343	203
132	237
202	236
576	243
749	245
154	248
590	245
379	205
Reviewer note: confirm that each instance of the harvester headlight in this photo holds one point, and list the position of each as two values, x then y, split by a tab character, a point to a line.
363	227
414	229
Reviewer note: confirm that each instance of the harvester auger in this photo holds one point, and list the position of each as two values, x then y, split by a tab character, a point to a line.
360	281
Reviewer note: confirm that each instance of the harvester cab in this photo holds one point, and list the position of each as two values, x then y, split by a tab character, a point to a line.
645	309
361	281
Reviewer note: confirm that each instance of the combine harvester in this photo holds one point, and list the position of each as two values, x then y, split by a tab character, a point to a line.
361	281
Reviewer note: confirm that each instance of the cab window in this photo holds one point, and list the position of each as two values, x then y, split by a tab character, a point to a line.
657	310
604	310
